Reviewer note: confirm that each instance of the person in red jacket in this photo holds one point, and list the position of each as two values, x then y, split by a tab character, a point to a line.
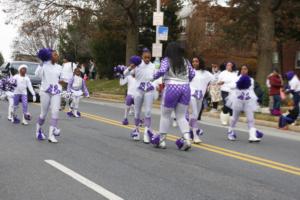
275	82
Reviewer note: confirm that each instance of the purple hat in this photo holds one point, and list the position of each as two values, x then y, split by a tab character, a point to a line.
45	54
290	75
136	60
243	83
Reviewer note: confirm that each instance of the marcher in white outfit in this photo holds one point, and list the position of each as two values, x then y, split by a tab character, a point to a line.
144	94
243	99
77	88
50	93
198	85
20	93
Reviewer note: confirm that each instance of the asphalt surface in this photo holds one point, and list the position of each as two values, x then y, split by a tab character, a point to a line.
98	148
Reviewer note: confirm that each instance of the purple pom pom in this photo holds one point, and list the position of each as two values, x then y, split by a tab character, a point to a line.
45	54
136	60
290	75
243	83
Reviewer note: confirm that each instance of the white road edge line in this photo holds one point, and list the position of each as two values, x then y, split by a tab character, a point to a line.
97	188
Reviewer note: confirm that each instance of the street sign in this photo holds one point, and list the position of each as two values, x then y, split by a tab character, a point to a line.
157	49
158	18
163	32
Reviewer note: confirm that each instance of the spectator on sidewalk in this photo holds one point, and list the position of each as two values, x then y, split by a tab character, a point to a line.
214	88
275	82
92	71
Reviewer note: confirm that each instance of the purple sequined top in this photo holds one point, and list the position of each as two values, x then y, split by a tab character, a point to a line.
169	75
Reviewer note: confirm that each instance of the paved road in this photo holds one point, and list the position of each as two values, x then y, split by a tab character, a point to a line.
95	158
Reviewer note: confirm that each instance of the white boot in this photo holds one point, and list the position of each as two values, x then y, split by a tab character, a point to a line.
252	135
24	121
231	134
147	135
39	134
75	113
224	118
51	137
56	132
159	141
187	142
196	134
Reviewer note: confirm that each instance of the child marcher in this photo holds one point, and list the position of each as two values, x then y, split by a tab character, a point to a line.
177	73
76	88
20	94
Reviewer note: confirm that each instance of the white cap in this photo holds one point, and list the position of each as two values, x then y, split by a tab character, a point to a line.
21	67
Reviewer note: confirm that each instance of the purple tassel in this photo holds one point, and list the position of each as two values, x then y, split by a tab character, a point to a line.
259	134
155	140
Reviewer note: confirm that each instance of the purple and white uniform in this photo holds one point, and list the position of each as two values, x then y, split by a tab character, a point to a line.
77	87
144	91
176	95
198	89
20	92
50	91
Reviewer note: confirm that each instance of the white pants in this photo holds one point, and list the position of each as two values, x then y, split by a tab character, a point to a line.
147	99
196	106
165	119
49	101
75	102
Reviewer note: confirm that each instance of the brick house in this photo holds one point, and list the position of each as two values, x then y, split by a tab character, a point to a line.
289	52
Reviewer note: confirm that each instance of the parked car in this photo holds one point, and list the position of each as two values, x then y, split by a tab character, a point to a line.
12	67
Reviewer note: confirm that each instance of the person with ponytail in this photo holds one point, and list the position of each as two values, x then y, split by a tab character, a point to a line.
177	73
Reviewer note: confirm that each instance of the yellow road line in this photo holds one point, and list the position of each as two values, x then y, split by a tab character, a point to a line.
215	149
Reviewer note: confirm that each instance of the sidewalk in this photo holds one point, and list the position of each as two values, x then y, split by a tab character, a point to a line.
272	122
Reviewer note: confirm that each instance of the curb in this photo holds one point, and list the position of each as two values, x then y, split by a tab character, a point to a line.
120	99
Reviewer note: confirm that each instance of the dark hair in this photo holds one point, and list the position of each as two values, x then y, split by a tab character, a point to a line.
69	57
249	71
234	68
175	53
201	62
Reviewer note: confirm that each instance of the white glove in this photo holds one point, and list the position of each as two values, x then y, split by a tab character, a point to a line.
34	98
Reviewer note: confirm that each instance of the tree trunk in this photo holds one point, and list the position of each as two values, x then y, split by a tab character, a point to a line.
131	41
266	34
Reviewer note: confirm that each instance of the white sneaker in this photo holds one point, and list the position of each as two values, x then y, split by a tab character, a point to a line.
197	139
187	142
159	141
24	122
51	137
135	135
252	135
75	113
147	135
231	135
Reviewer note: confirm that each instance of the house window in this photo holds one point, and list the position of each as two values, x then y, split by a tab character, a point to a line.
297	66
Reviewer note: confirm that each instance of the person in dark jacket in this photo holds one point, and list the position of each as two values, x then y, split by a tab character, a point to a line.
275	82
